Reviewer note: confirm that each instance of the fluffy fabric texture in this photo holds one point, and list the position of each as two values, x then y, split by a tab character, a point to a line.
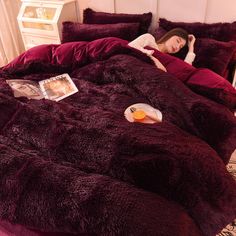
202	81
218	31
215	55
74	31
79	166
92	17
8	229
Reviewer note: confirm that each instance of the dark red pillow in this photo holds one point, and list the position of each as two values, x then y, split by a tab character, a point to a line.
214	55
73	31
92	17
219	31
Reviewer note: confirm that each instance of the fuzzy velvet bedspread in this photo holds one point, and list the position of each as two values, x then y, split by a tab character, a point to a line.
78	166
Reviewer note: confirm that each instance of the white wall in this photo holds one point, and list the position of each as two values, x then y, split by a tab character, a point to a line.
221	10
182	10
176	10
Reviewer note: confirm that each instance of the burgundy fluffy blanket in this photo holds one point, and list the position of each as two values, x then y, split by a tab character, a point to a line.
79	166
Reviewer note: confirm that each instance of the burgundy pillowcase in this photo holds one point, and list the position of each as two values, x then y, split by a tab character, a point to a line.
92	17
214	55
219	31
73	31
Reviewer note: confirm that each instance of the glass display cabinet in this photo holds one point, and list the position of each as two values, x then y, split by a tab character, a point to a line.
40	21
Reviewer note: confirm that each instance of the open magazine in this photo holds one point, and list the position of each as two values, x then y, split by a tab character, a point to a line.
55	88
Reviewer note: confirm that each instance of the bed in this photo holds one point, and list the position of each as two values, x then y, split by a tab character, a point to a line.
78	167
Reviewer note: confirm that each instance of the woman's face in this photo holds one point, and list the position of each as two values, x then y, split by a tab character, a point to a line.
174	44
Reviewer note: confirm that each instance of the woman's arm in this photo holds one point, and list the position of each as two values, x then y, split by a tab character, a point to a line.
190	55
143	41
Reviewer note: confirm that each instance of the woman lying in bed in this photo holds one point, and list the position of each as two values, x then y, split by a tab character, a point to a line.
201	80
172	42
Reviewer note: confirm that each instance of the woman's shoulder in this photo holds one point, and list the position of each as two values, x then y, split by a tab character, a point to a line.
148	35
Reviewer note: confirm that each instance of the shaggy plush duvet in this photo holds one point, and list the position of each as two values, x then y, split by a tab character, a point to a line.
78	166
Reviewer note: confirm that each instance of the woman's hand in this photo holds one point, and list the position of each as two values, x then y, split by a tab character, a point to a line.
158	64
148	52
191	41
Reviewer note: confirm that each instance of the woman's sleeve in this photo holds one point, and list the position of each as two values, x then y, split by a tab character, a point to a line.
190	57
138	42
141	42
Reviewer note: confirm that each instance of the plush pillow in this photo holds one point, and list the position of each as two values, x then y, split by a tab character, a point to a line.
219	31
93	17
73	31
214	55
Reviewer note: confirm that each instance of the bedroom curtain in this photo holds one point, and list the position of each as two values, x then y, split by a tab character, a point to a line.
10	39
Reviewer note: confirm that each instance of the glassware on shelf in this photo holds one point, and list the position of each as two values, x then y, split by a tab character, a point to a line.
45	13
41	13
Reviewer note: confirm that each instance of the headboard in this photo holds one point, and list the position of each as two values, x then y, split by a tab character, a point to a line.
208	11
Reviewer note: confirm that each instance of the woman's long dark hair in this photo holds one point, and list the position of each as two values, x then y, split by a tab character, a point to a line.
176	32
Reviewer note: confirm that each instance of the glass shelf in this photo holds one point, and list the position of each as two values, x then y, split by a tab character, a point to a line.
46	13
40	26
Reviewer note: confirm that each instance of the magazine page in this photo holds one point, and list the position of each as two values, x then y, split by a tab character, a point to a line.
25	88
58	87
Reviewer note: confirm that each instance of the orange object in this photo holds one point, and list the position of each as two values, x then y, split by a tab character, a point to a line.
139	115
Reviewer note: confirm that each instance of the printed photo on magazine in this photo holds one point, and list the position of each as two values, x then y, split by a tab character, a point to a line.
55	88
58	87
25	88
